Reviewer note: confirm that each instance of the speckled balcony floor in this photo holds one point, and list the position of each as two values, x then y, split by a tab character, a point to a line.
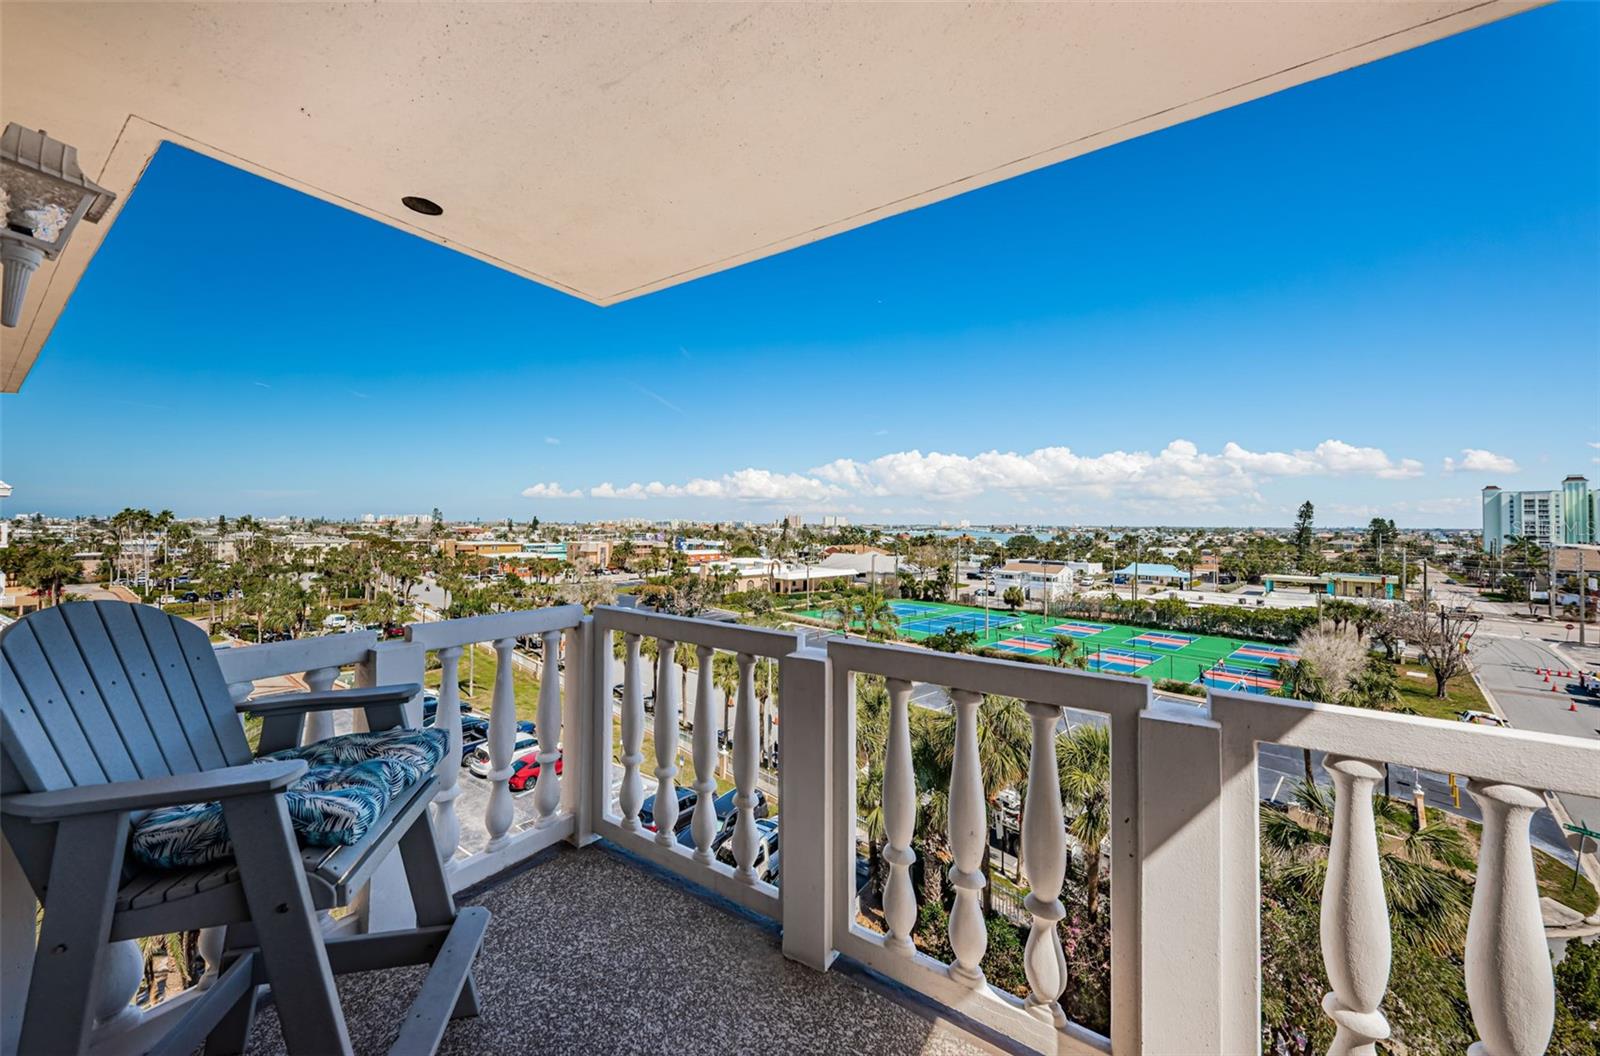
592	952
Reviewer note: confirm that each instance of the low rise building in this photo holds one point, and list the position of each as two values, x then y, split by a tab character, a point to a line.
1148	573
1335	584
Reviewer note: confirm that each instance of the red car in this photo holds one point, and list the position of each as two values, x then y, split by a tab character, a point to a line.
525	771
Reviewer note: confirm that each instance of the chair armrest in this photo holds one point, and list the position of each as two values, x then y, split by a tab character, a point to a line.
117	796
328	700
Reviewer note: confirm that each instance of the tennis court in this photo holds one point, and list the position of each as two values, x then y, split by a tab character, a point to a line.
1075	629
938	623
1023	643
1264	654
1155	654
1168	640
1241	679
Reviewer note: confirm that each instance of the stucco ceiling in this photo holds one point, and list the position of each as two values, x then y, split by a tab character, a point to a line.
610	150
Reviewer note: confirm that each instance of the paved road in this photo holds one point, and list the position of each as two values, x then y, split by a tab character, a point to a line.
1508	656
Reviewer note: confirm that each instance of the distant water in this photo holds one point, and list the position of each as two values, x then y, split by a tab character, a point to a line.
977	533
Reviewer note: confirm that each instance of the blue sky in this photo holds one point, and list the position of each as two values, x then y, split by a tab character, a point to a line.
1379	291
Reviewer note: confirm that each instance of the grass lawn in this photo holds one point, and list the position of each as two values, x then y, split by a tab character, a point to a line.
1555	881
1462	693
479	668
1555	878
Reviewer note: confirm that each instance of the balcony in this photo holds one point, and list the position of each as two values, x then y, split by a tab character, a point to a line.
616	932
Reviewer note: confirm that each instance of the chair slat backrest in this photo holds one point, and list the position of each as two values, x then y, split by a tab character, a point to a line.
109	691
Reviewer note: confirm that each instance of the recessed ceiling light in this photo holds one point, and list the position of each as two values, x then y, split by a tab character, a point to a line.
422	205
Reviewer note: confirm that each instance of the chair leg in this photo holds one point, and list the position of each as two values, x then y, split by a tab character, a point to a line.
74	936
292	949
231	1035
430	894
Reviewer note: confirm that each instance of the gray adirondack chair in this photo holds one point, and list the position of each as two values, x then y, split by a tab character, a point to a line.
108	709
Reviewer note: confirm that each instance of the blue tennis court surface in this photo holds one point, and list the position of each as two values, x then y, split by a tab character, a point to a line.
911	608
944	621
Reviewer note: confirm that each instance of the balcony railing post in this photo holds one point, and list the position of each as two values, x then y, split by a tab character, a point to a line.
1510	985
631	796
319	724
592	723
967	828
1181	883
447	825
806	805
385	905
547	727
704	823
665	812
899	820
1355	917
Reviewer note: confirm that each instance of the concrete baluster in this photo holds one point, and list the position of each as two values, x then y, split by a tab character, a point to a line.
446	825
631	796
1355	915
666	805
498	814
547	790
704	824
968	834
1510	985
746	766
1044	846
899	819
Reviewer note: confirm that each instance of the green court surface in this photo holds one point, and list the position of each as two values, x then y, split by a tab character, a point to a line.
1226	663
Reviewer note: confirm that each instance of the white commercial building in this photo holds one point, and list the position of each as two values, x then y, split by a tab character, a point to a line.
1564	515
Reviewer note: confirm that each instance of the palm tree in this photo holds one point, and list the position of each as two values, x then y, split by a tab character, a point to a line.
1063	649
48	567
1423	866
1083	763
877	616
1005	736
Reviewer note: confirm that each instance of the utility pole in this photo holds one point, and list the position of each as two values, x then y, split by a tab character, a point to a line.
1424	586
1551	593
1583	603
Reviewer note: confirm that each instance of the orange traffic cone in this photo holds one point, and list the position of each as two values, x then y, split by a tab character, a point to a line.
1547	676
1573	706
1553	689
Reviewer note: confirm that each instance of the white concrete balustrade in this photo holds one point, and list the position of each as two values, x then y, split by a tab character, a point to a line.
1183	848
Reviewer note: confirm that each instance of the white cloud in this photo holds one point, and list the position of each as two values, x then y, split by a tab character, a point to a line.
1179	472
551	490
745	485
553	441
1476	460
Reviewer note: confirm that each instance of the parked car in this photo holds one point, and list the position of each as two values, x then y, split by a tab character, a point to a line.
480	765
430	708
213	595
525	771
189	596
687	797
336	621
474	732
766	863
727	817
